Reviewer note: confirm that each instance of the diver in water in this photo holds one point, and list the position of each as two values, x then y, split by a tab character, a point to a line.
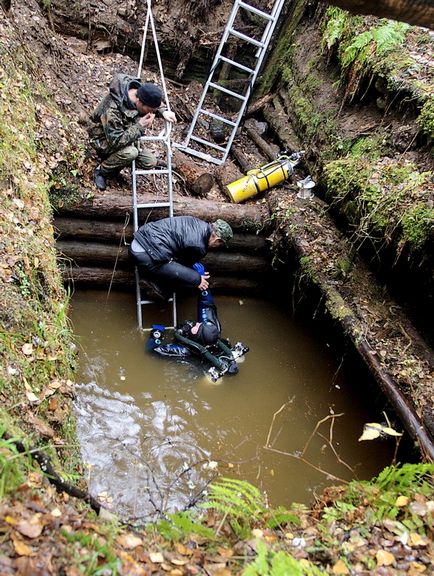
201	339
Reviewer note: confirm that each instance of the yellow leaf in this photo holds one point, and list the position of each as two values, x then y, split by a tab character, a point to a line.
416	568
21	548
384	558
401	501
373	430
340	568
10	520
156	557
416	539
179	561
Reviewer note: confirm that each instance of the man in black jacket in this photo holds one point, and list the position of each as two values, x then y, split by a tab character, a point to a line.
169	248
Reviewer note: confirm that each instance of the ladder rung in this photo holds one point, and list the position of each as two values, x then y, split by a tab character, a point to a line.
155	301
197	153
237	64
207	143
151	171
154	205
226	91
255	11
246	38
221	118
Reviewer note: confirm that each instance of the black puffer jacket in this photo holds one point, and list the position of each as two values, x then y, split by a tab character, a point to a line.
181	238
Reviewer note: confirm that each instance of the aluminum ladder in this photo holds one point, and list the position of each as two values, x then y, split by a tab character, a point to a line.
165	141
214	152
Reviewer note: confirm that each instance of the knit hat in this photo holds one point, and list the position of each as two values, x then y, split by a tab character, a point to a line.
150	95
207	334
223	230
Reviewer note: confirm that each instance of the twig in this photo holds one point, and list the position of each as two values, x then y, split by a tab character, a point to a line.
317	468
267	442
318	424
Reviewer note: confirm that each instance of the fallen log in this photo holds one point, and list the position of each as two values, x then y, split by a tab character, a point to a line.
277	118
81	229
270	151
198	181
242	159
78	276
231	263
247	218
353	323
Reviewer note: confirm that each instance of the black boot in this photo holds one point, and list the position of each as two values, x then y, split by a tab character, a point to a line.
99	179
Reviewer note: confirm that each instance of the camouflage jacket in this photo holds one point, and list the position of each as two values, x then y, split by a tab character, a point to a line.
113	124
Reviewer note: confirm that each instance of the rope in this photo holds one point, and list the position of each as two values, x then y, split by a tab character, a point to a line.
122	239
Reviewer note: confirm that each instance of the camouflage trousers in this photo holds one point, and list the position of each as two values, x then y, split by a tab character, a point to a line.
144	158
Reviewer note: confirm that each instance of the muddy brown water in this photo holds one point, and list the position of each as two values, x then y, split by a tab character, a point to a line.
153	431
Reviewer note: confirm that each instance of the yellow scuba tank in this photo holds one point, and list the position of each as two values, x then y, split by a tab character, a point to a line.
263	178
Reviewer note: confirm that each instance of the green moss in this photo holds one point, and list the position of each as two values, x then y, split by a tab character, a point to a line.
425	119
417	223
384	198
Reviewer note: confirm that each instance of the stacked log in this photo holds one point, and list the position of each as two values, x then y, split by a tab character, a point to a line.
93	239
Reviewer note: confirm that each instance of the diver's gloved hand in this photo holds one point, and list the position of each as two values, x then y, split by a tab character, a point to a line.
185	328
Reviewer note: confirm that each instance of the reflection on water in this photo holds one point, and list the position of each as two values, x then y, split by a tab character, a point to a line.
152	428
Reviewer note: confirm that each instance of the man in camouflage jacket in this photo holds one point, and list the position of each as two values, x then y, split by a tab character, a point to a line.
119	120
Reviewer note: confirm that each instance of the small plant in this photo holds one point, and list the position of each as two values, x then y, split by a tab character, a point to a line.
93	556
240	502
271	563
13	465
181	525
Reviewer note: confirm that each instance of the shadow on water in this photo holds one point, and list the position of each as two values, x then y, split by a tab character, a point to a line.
152	429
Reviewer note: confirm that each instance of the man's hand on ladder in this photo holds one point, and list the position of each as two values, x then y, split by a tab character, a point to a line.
169	116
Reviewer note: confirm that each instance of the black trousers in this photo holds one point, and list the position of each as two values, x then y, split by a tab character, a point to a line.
170	276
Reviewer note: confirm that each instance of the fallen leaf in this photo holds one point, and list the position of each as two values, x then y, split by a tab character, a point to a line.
384	558
340	568
21	548
401	501
373	430
30	529
184	550
416	539
416	568
27	349
226	552
129	541
179	561
156	557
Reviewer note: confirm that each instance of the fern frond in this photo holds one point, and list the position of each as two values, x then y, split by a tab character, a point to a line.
389	36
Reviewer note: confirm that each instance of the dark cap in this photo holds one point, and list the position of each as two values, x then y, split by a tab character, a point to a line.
223	231
150	95
207	334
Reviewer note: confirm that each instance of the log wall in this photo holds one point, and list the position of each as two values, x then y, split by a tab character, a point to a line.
93	238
